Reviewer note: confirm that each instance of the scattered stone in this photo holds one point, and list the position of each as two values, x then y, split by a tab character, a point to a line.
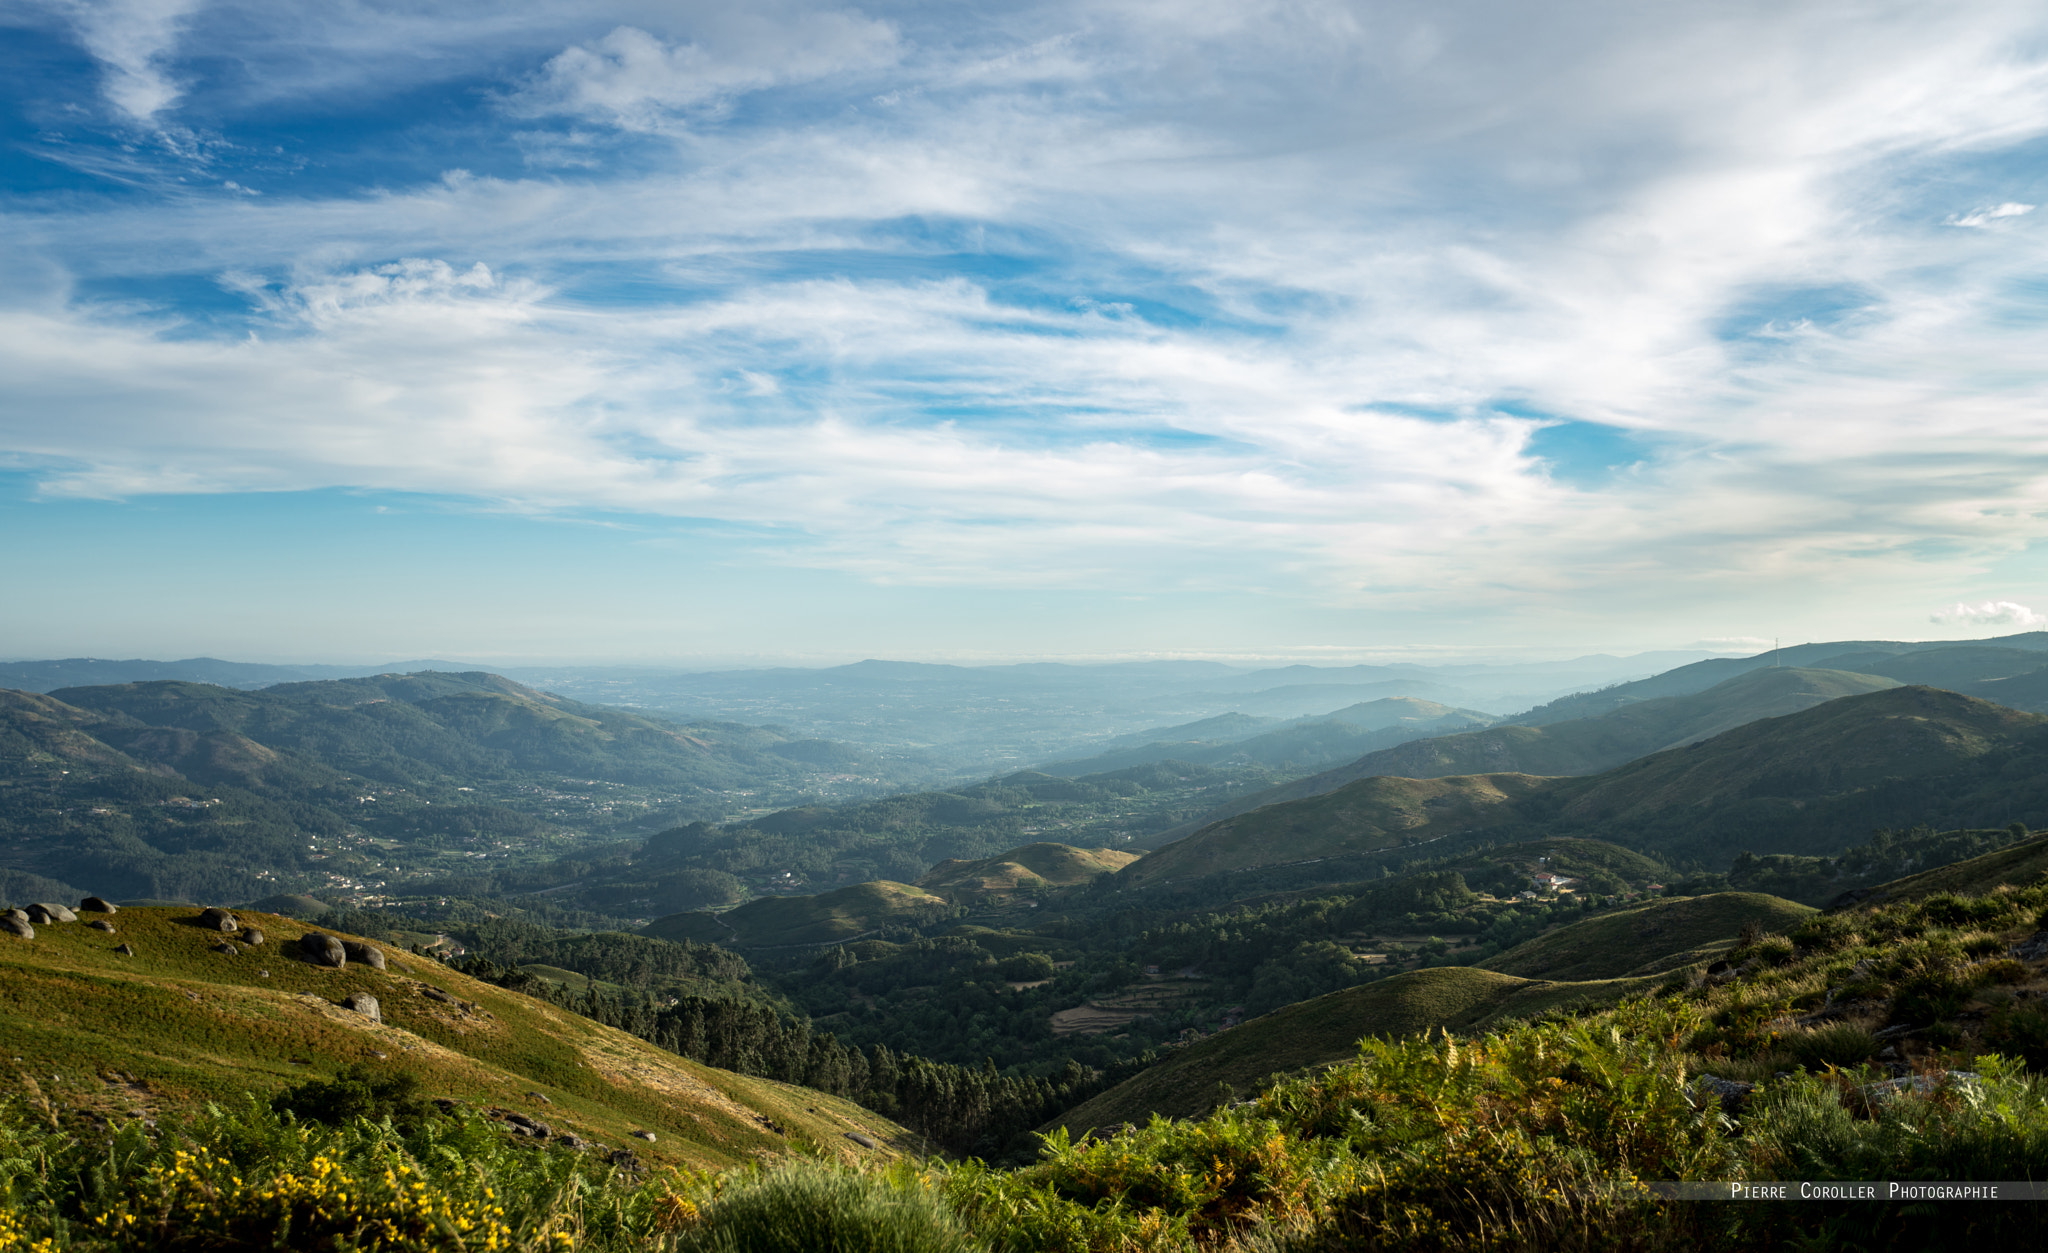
571	1141
101	924
124	949
18	915
191	996
531	1126
252	935
1899	1029
641	1135
447	1105
365	1004
325	950
99	905
1732	1094
379	1054
226	949
368	954
2033	948
17	927
436	994
215	918
263	974
625	1160
45	913
863	1139
541	1097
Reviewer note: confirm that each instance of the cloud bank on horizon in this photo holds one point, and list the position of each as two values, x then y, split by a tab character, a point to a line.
1547	317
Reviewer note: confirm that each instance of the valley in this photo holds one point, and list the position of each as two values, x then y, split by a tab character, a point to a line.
1056	951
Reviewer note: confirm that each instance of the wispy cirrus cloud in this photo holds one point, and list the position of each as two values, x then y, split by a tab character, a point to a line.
1275	296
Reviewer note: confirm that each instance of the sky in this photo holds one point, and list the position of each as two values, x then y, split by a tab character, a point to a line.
691	332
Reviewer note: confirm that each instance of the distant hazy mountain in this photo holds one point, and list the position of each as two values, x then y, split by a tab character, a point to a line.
48	676
1292	747
188	790
1857	655
1581	745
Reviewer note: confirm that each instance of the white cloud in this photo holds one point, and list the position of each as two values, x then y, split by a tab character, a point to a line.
131	39
1985	217
635	80
1266	287
1989	613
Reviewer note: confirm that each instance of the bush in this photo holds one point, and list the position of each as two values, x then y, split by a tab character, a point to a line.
805	1208
1840	1044
357	1091
1931	997
2020	1030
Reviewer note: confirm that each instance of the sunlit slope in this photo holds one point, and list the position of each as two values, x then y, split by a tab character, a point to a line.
1586	745
178	1024
1325	1031
1648	939
1369	814
1040	865
831	917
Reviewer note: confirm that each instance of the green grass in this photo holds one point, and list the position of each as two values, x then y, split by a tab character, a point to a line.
1034	865
828	918
178	1025
1649	939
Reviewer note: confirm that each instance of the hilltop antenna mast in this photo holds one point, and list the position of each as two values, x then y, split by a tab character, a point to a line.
1774	652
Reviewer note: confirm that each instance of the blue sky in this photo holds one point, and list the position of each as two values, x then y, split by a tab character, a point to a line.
702	332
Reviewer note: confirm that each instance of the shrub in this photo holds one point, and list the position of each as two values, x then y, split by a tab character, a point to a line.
1930	997
807	1208
1839	1044
1947	910
2021	1030
356	1091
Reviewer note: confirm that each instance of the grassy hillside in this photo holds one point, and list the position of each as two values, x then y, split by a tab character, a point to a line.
1033	866
1369	814
1648	939
1326	1031
831	917
178	1024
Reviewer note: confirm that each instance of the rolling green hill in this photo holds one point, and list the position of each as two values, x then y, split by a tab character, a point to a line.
1649	939
178	1024
832	917
1806	783
1326	1031
1597	961
1586	745
1369	814
188	790
1033	866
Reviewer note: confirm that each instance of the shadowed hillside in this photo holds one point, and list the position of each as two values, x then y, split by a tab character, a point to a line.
1807	783
1584	745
